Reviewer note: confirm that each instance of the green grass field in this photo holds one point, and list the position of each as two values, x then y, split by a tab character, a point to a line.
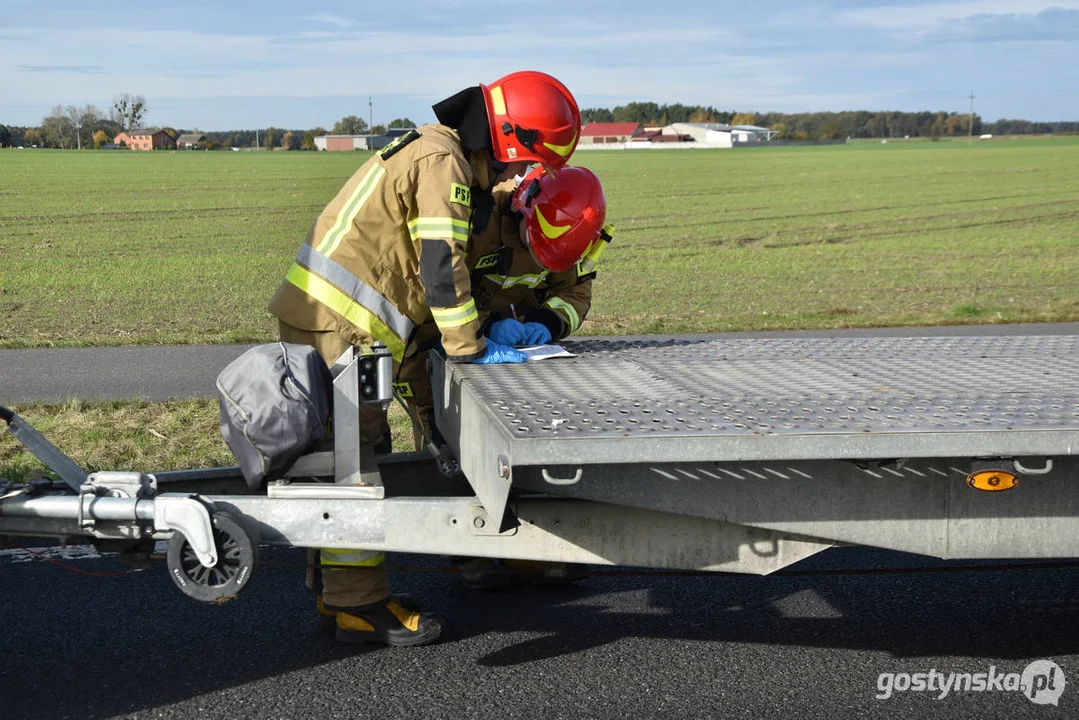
122	248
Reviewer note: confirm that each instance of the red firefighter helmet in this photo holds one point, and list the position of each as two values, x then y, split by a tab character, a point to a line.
563	214
533	118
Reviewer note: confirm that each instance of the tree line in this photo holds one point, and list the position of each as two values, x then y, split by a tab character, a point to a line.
79	127
91	127
826	125
296	139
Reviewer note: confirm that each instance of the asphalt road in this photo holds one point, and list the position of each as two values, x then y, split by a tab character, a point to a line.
131	645
151	372
75	646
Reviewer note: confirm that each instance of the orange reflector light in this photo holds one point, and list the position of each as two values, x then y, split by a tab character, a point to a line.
992	480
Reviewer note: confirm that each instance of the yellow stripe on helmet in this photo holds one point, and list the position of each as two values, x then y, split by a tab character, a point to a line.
551	231
563	150
498	101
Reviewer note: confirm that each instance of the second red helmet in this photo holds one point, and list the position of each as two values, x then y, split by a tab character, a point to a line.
564	214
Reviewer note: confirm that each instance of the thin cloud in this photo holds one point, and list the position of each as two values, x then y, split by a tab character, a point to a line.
330	19
1053	25
76	69
931	15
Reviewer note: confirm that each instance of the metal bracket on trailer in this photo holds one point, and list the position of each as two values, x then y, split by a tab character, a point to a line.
359	377
189	517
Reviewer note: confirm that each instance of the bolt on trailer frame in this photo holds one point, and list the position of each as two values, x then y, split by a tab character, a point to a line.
741	455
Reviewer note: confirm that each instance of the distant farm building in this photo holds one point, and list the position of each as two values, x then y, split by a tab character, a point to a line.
358	142
747	134
188	141
609	133
342	142
145	139
617	136
714	135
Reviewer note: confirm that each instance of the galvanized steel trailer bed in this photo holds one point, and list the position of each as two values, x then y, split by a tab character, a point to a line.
721	454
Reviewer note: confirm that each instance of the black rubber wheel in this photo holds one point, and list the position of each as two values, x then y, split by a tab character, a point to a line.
237	557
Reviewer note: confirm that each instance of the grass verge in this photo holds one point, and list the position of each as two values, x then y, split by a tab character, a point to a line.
139	435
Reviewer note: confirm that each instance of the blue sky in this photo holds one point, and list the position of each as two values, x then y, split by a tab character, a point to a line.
300	65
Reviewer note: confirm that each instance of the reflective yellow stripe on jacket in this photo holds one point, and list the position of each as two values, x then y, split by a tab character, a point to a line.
456	316
439	228
351	298
350	210
557	303
352	558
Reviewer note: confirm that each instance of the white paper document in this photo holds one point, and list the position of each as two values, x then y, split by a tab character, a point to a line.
545	352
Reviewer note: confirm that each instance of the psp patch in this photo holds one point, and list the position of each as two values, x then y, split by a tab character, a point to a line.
403	389
489	260
461	195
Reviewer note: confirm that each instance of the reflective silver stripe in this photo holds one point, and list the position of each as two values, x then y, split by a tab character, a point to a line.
508	281
357	289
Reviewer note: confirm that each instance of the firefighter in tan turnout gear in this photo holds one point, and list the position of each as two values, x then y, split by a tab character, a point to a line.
532	256
537	267
387	255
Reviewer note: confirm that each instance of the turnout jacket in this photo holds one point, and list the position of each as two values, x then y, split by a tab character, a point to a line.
505	274
388	252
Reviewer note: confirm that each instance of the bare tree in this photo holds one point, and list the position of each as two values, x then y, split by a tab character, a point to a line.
83	122
128	110
56	129
74	121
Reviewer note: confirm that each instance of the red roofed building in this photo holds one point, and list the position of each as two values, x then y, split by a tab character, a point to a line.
614	132
145	139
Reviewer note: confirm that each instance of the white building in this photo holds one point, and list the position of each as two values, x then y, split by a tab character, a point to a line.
717	135
358	142
343	142
746	134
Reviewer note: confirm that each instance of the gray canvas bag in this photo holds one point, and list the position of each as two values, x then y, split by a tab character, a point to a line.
275	402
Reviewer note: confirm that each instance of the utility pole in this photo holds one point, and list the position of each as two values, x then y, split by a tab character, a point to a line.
370	119
256	140
970	120
78	133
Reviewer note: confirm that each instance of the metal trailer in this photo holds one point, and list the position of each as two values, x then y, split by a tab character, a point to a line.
741	455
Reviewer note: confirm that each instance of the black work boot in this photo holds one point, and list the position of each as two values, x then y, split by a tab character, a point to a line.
327	618
387	622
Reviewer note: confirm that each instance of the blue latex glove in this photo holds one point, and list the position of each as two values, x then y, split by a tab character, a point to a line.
497	354
537	334
508	332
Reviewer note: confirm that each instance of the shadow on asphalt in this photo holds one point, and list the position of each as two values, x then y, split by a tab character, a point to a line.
93	647
988	614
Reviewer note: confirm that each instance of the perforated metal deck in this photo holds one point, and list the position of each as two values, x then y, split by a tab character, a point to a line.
791	398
